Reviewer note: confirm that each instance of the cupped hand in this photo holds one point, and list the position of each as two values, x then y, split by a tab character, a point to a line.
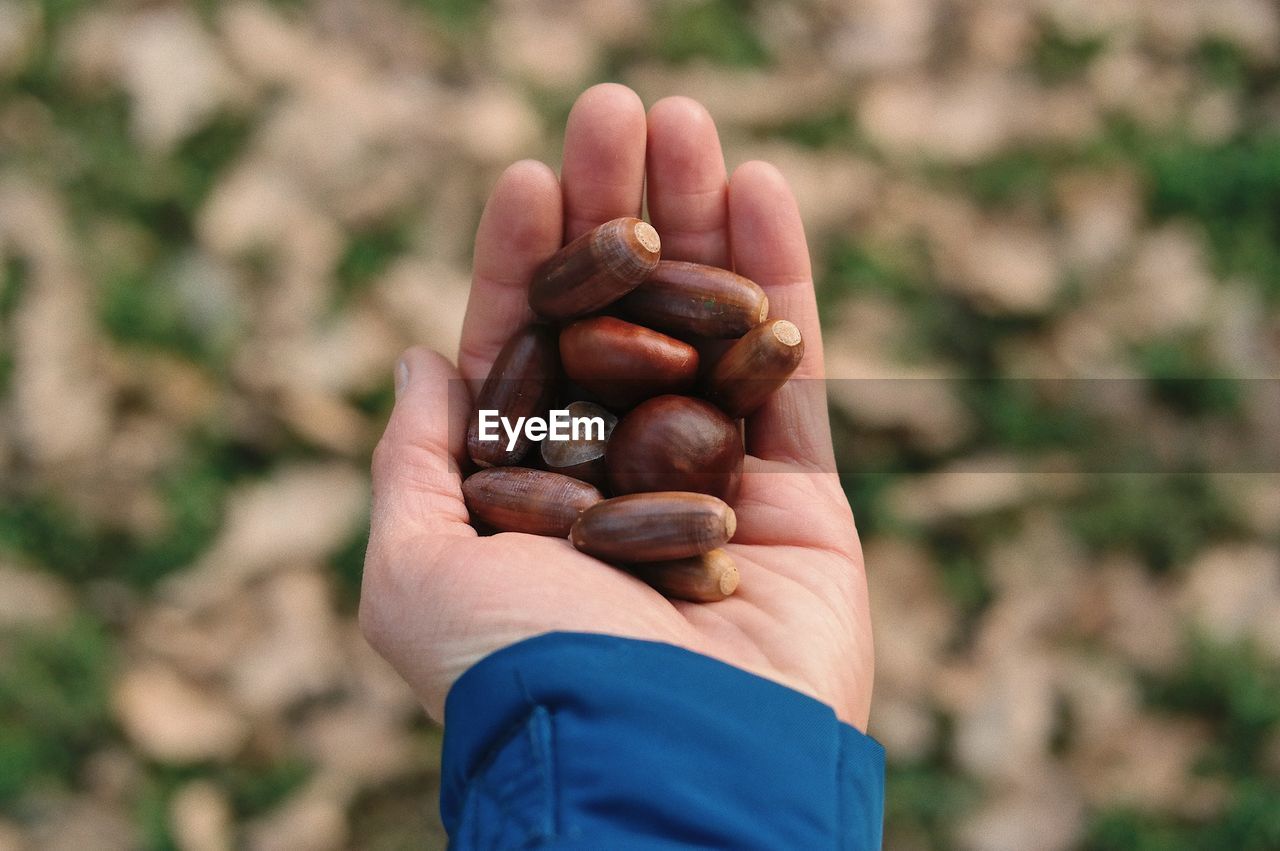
437	597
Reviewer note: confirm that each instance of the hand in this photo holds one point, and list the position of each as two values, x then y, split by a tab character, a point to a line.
437	598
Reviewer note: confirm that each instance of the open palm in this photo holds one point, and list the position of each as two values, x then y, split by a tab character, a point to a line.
437	597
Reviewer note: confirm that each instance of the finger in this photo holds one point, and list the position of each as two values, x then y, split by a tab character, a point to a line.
521	226
767	239
417	480
688	186
603	172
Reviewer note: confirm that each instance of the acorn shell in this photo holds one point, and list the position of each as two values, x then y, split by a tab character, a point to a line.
694	300
595	270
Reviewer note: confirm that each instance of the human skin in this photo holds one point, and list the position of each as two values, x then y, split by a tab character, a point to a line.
437	597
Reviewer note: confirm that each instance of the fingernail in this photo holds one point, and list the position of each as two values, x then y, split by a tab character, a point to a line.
402	376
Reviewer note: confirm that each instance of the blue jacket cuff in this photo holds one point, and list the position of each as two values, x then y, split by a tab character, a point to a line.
574	740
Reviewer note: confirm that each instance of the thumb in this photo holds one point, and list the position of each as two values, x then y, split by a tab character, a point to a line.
417	477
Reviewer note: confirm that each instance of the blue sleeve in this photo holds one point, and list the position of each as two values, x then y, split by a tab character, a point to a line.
572	740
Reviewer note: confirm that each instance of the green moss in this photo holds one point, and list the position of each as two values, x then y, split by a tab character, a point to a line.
194	496
1058	58
23	758
717	31
105	175
347	565
253	787
1125	829
455	14
151	813
258	788
852	267
973	340
899	273
194	493
1250	823
1223	63
144	310
924	800
53	704
377	402
56	13
865	490
368	255
43	68
110	174
1231	181
6	370
1027	416
1234	687
1164	518
1183	380
964	578
104	172
1019	176
938	324
43	530
1233	191
834	129
12	285
1024	176
205	155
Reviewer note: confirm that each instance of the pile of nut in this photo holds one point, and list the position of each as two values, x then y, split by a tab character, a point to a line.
620	339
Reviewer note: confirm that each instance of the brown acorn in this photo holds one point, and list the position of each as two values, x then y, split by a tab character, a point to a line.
754	367
646	527
518	499
581	457
595	269
705	578
522	383
676	443
691	299
621	363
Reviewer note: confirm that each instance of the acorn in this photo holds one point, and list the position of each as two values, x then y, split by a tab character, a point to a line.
621	363
523	382
705	578
595	270
676	443
520	499
647	527
581	457
694	300
755	367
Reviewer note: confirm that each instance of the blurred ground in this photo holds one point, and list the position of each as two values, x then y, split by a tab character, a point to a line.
219	222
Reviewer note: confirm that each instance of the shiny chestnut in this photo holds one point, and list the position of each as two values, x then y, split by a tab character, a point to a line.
676	443
621	363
